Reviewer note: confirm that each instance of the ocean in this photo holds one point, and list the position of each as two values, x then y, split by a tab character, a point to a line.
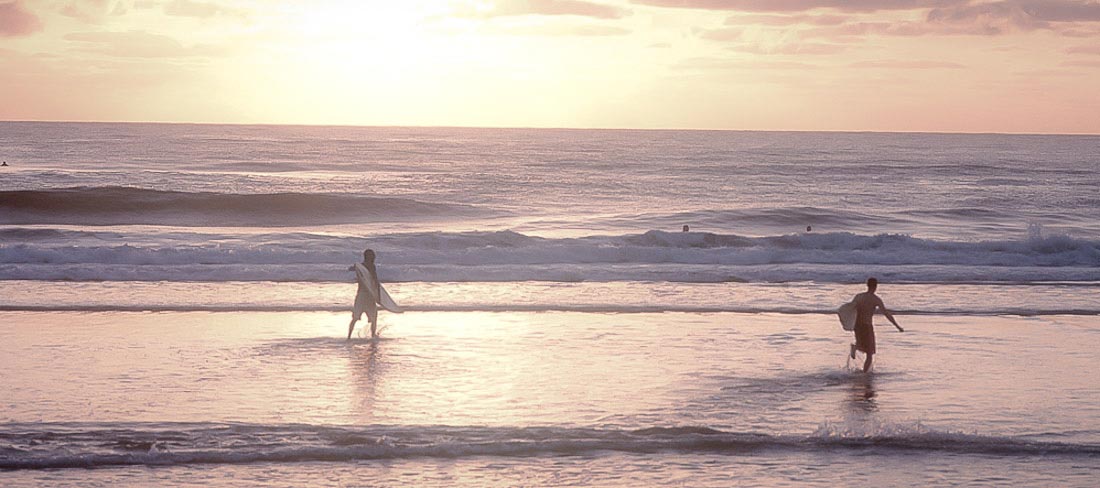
175	299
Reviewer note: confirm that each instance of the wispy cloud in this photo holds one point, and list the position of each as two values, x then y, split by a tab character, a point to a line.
584	30
789	48
906	65
1094	49
801	5
784	20
16	20
139	44
1082	64
1076	18
721	64
1023	12
514	8
738	42
723	35
1001	17
93	11
201	10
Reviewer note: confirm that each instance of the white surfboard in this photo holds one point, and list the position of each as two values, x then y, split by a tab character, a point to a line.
847	315
364	277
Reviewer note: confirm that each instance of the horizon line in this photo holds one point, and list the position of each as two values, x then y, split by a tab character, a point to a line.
652	129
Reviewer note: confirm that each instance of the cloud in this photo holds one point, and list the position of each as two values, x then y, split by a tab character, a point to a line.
139	44
92	11
200	10
1083	50
594	30
1018	14
1041	74
900	64
796	48
16	20
513	8
857	30
1070	18
598	30
784	20
721	64
740	41
1082	64
722	35
1076	32
801	5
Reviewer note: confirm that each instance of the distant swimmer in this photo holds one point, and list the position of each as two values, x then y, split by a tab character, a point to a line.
366	296
866	303
5	163
809	229
686	228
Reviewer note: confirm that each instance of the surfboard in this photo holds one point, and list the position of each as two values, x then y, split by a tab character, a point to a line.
847	315
364	277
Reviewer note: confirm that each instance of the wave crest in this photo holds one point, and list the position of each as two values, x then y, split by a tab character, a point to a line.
51	446
125	206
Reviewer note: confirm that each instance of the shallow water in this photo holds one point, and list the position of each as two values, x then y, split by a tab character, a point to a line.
174	299
499	397
1065	298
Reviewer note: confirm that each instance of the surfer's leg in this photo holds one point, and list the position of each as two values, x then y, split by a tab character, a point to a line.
852	351
351	326
867	363
357	311
372	316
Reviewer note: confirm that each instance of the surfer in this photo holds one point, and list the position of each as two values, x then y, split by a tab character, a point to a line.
866	303
366	300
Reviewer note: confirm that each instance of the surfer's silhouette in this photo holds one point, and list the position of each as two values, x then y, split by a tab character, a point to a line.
866	303
366	300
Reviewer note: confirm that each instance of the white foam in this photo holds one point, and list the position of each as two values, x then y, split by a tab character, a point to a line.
90	445
510	256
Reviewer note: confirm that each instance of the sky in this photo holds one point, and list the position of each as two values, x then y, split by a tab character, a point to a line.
1028	66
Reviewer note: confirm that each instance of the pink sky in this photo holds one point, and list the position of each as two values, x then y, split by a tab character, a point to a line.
883	65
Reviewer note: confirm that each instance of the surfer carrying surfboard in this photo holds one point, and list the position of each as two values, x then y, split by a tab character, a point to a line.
366	296
370	295
865	304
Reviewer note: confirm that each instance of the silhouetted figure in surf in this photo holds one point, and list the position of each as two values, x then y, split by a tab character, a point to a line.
5	163
366	300
866	304
686	228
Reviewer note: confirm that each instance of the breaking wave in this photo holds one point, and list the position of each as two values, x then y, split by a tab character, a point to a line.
125	206
52	446
52	254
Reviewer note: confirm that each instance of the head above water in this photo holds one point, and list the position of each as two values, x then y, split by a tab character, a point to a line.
368	256
872	283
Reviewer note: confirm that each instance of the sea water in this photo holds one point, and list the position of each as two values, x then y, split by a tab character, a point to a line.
175	297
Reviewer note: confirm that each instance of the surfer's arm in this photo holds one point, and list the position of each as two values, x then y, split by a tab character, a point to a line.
889	316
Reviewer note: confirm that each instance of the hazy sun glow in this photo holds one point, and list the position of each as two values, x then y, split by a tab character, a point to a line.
963	65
